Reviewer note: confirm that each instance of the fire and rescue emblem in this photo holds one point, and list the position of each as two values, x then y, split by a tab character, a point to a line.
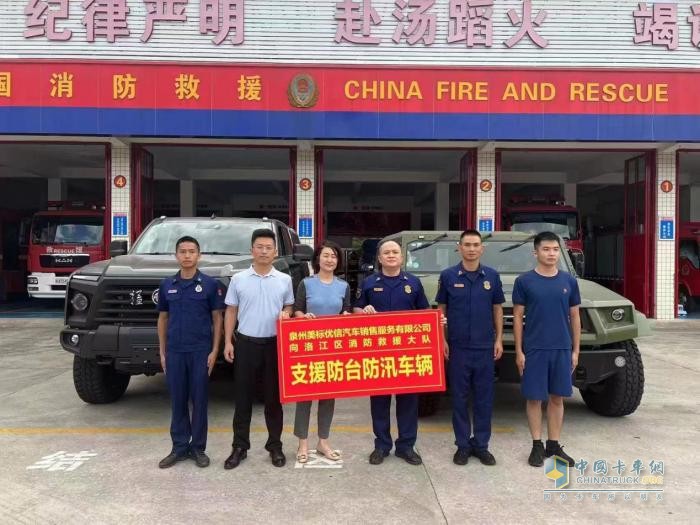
302	91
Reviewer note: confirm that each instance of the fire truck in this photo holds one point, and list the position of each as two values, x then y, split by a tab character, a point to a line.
67	236
547	213
689	265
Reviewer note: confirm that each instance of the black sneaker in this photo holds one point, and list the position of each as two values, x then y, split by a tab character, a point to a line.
461	457
200	458
172	458
377	456
484	456
558	450
536	458
409	456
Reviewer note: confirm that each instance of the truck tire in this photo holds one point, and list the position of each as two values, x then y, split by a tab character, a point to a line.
686	300
428	404
98	384
619	395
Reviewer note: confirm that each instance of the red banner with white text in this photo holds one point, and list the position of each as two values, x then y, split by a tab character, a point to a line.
360	355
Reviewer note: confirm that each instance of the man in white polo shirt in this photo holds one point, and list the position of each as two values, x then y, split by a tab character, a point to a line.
256	298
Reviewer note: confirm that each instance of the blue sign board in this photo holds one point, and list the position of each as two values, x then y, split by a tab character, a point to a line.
119	225
485	224
306	227
666	229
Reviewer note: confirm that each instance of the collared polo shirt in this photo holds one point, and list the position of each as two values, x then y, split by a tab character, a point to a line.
388	294
469	298
189	303
260	299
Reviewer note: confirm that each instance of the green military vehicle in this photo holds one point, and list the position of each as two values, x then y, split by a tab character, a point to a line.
610	374
110	309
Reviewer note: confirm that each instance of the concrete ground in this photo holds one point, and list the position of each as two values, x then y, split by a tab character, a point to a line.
116	480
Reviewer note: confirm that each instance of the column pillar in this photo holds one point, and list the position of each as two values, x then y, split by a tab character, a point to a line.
188	199
486	200
120	202
442	206
665	260
305	185
56	189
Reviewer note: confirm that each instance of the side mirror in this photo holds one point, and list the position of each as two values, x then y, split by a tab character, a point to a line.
367	267
302	252
118	248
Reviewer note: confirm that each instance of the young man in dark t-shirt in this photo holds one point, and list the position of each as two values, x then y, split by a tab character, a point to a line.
546	351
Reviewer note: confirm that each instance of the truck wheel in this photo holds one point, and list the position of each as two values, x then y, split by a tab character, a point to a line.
98	384
428	404
686	300
620	394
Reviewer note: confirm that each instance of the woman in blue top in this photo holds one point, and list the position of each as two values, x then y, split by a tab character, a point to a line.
321	294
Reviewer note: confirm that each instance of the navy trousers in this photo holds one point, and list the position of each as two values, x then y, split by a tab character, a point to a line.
406	418
471	374
188	380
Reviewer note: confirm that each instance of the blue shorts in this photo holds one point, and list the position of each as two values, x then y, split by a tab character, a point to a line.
546	372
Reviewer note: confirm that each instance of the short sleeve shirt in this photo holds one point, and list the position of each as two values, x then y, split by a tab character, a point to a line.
260	299
319	298
469	298
547	302
388	294
190	303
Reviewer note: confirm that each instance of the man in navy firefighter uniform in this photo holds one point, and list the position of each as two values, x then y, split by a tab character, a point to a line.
190	321
391	290
471	296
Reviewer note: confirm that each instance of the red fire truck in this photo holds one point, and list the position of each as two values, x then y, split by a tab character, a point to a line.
689	265
62	239
547	213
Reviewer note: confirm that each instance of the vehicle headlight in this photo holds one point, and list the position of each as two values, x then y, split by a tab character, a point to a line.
80	302
618	314
32	280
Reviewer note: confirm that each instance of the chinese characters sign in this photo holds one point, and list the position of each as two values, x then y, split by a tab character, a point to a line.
109	19
360	355
356	102
412	22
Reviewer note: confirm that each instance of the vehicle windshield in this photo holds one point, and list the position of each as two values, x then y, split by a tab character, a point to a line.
217	237
66	229
503	256
533	228
568	221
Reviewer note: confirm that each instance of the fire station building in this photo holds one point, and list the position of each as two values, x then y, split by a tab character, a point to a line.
354	119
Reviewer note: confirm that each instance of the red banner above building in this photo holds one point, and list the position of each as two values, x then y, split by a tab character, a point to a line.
360	355
375	90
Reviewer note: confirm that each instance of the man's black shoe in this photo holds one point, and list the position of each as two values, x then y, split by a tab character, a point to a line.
277	457
172	458
200	458
237	455
536	458
461	457
409	456
377	456
558	450
484	456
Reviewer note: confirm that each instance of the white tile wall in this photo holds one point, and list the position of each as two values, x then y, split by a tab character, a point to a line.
121	197
305	170
665	250
486	170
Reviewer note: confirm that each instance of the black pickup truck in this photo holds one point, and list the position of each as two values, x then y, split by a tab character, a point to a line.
110	309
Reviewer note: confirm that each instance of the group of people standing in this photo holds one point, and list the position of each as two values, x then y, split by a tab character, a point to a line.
470	296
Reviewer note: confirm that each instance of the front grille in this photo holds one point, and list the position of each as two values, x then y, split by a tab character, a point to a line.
586	325
68	260
128	304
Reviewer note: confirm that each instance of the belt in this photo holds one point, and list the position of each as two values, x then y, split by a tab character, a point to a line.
256	340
